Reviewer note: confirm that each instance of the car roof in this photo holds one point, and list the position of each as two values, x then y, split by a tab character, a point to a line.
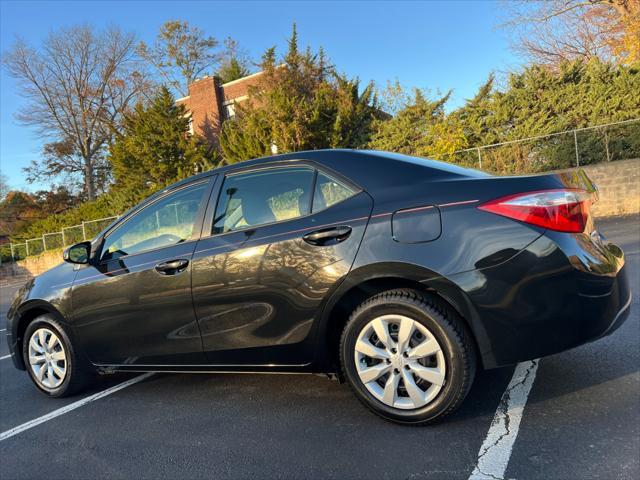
370	169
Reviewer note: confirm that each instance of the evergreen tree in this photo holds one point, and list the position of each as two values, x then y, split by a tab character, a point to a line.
533	102
539	101
419	128
155	148
300	104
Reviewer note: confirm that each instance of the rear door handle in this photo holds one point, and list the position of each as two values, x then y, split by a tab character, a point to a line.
172	267
328	236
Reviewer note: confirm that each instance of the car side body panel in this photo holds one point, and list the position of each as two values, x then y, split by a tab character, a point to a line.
543	301
126	313
257	292
48	292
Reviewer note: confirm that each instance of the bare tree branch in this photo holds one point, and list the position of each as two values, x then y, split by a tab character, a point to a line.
78	84
550	31
181	54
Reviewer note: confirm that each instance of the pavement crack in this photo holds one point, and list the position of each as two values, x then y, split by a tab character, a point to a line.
503	414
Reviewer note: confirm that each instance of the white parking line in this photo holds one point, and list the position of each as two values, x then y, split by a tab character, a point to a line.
495	451
72	406
6	356
3	329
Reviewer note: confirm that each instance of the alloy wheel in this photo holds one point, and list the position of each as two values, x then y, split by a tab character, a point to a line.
47	358
400	362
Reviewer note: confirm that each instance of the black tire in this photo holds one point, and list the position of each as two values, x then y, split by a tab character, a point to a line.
79	373
456	342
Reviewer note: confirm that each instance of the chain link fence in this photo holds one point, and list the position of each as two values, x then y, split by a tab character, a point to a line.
571	148
55	240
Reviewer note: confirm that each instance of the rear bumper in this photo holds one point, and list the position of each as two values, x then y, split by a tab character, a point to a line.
560	292
619	319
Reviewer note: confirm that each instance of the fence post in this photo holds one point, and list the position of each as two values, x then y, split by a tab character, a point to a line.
13	257
575	142
479	158
84	234
27	245
44	243
64	242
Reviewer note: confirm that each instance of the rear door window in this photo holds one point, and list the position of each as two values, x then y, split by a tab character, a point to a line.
261	197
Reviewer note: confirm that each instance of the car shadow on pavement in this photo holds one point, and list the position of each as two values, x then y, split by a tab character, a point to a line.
484	395
566	373
309	393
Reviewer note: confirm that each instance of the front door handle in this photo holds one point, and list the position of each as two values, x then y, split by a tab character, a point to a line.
172	267
328	236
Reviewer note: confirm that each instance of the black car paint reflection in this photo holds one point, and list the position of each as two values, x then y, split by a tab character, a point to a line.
265	297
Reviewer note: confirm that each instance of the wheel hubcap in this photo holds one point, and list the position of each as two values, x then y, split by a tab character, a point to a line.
400	362
47	358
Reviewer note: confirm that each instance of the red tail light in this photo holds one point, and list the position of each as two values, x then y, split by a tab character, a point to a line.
563	210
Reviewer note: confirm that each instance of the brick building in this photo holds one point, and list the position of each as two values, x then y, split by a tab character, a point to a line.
210	103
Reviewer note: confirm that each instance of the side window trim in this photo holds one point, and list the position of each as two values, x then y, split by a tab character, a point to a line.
197	224
313	191
212	203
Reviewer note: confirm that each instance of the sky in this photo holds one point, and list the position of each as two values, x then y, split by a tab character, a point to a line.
436	45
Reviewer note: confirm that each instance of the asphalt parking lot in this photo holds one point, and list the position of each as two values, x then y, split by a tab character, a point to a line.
581	420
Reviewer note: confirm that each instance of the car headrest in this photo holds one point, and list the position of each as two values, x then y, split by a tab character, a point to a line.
255	209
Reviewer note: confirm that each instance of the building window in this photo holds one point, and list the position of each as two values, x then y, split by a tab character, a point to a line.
190	117
229	109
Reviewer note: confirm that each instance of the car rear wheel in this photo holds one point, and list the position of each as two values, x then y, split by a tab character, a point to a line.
51	361
408	356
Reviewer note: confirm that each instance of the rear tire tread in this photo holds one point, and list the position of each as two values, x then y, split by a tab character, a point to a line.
459	331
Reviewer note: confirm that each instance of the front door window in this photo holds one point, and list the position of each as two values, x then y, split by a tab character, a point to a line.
168	221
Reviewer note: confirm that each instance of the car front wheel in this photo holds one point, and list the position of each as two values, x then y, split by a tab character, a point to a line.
51	361
408	356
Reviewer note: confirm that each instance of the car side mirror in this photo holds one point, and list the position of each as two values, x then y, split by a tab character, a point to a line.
78	253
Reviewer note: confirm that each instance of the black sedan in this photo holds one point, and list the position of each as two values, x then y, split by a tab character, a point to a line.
400	275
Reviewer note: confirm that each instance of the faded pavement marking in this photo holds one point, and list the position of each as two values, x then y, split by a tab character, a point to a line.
495	451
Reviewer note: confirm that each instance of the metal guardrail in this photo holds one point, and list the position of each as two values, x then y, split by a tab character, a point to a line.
85	230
